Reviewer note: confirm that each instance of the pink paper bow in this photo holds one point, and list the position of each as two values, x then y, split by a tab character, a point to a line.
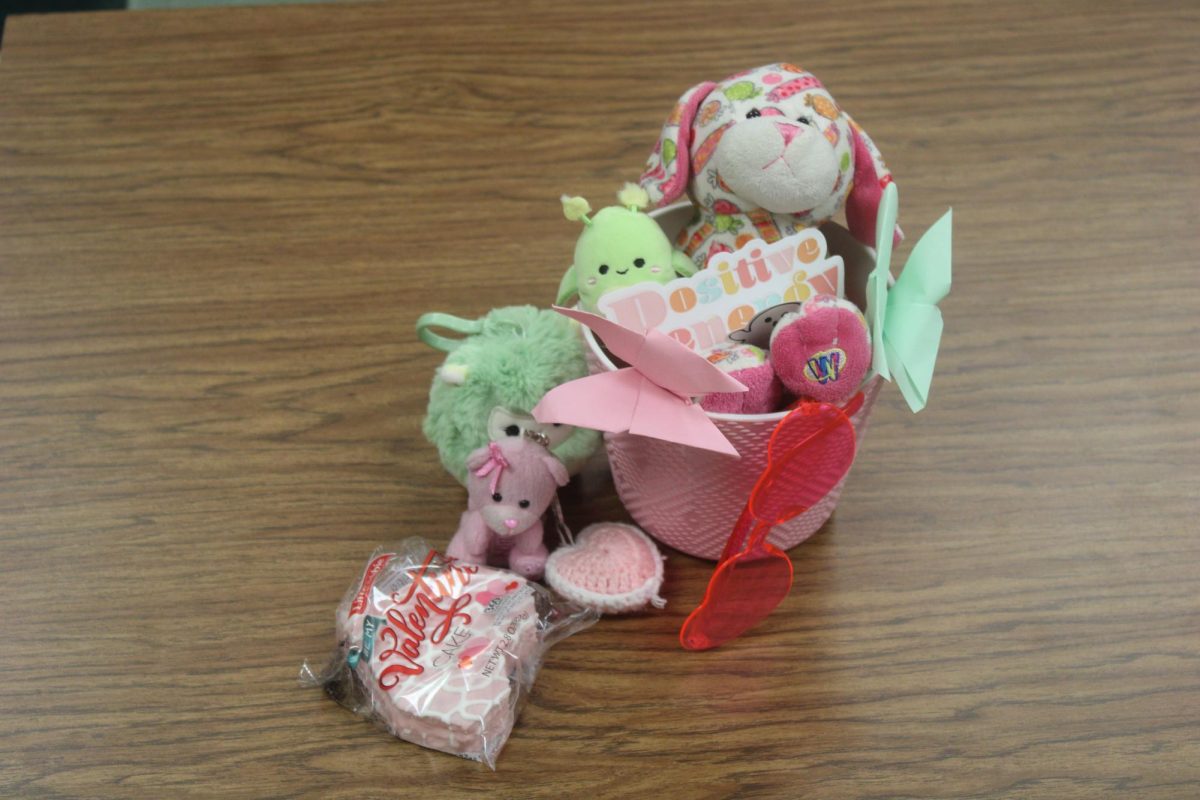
495	465
651	397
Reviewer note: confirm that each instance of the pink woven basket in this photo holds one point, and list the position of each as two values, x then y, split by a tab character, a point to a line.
689	499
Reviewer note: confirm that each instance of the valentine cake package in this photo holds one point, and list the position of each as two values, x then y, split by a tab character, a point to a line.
440	652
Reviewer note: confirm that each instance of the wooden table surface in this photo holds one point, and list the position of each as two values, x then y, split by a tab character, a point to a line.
217	229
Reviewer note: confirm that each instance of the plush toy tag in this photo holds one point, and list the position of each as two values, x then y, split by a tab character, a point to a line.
736	294
734	357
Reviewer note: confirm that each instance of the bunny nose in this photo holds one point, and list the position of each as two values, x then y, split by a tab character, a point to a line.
787	131
510	523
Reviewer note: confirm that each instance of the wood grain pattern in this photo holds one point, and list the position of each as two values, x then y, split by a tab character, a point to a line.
217	229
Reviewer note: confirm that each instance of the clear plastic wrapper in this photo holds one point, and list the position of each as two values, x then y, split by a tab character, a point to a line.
439	652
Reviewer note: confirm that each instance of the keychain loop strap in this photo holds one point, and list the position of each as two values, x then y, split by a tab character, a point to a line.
436	319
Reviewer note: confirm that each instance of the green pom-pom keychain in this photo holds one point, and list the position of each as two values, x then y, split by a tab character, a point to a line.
494	376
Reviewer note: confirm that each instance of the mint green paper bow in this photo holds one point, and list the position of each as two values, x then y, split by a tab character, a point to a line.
906	324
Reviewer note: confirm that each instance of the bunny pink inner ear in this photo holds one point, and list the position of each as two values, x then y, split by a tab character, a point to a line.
862	205
666	182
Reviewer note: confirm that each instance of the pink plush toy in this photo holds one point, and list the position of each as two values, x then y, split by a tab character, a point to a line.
749	365
510	484
823	350
764	153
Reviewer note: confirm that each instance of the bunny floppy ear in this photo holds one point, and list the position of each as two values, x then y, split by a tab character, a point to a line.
478	458
870	176
669	166
556	469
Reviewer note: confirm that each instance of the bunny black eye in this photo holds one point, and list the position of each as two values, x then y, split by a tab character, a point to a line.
752	113
639	262
767	320
512	430
803	120
558	424
497	497
524	504
604	269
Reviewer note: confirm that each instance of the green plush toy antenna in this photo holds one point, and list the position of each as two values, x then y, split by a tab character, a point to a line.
620	246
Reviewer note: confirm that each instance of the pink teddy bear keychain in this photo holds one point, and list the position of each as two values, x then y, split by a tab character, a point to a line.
510	484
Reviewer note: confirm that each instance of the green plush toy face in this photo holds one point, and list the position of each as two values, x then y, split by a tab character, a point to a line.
620	248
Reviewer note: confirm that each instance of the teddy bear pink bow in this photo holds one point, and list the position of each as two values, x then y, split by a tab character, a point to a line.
494	466
651	397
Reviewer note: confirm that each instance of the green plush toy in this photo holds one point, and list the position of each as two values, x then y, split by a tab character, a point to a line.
619	247
491	380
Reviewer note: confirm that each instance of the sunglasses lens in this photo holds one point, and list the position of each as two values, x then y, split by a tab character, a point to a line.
742	592
810	454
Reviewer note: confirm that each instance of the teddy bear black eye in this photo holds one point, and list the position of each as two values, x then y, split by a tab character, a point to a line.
512	430
604	269
768	319
639	262
803	120
558	424
497	497
524	504
752	113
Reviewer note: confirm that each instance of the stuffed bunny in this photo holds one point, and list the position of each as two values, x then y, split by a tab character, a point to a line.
510	484
762	154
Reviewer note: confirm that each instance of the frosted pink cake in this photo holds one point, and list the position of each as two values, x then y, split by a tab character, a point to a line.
441	649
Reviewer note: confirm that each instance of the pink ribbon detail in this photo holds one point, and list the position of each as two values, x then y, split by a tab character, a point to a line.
494	466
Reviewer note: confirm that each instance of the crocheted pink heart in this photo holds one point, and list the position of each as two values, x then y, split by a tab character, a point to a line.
612	567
